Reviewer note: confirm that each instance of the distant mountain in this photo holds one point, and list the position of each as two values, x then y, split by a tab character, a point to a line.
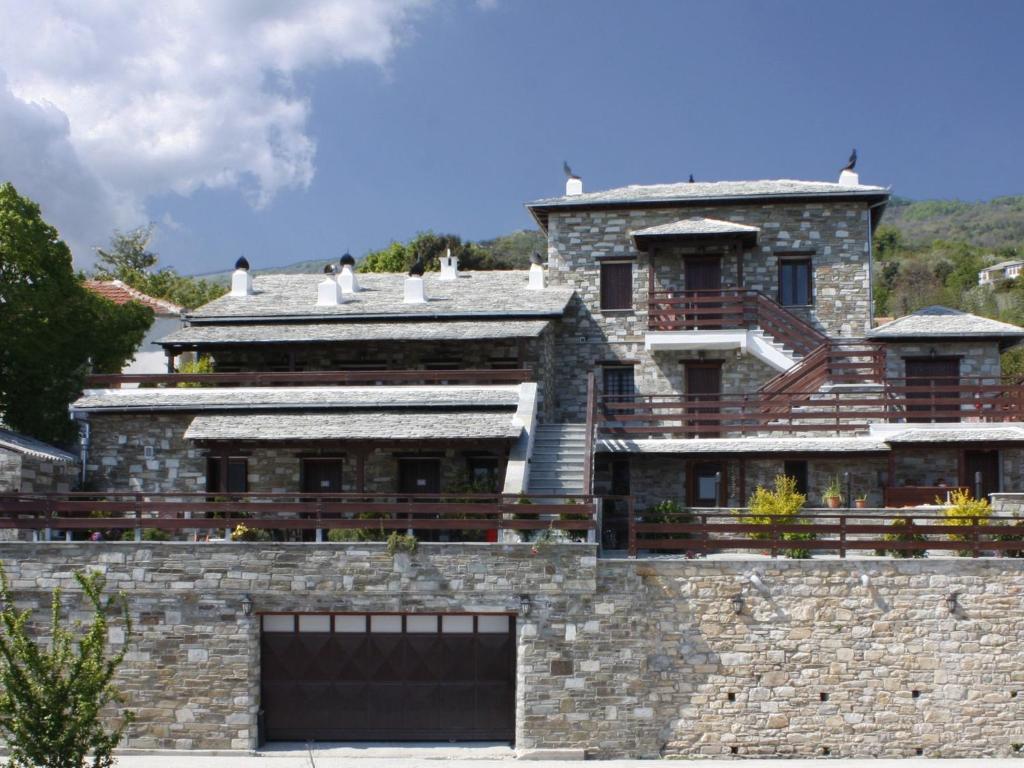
515	248
996	223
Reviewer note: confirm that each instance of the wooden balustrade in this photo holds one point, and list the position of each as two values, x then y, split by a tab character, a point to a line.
293	511
898	401
903	534
313	378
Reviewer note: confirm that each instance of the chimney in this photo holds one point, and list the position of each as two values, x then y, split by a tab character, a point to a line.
241	280
347	278
449	265
573	186
328	293
848	178
536	273
414	290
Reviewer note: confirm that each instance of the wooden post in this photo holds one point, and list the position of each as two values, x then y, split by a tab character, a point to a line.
631	511
739	266
361	469
842	536
743	481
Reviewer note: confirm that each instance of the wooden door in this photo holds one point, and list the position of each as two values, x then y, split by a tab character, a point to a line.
981	466
934	380
704	273
321	475
419	475
704	384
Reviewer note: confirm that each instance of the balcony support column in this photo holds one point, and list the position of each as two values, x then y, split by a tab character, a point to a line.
739	265
742	480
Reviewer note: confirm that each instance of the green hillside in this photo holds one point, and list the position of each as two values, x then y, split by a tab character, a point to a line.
997	223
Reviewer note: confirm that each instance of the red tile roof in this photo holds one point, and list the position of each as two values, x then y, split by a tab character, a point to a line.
119	293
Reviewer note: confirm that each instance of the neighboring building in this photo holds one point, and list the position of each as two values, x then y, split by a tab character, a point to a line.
1004	270
28	465
685	343
166	319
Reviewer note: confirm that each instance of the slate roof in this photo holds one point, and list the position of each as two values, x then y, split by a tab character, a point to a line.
120	293
750	445
288	333
1002	434
1003	265
355	425
472	295
37	449
278	398
943	322
705	192
695	227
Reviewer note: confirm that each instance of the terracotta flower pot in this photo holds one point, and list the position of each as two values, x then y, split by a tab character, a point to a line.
834	502
861	503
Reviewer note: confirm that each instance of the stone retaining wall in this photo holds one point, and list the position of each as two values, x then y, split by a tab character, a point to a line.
618	657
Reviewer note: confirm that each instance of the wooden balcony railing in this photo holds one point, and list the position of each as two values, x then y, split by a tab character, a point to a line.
313	378
384	512
851	410
885	532
836	361
731	308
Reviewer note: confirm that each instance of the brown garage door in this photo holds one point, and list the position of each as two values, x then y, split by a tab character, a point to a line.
388	677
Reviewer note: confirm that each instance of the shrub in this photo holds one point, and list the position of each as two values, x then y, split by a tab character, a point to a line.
52	692
1014	535
200	365
401	542
242	532
965	512
783	505
903	531
148	534
360	534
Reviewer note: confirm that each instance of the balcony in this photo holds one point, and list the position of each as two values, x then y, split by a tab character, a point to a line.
849	410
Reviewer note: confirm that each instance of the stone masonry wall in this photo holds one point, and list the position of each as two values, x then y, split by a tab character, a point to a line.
27	474
978	359
835	235
618	657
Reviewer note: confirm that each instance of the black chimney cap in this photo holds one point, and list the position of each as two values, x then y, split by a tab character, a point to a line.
328	269
347	259
535	258
242	263
416	270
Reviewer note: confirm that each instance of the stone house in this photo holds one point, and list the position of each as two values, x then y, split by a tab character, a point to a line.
684	342
28	465
166	319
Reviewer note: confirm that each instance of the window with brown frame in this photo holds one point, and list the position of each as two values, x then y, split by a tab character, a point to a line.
617	285
795	287
229	477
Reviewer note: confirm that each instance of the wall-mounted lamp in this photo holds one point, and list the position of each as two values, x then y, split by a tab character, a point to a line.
525	605
932	353
736	601
756	581
865	580
247	605
951	601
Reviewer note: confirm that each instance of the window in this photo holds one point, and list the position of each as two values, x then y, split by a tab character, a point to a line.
229	477
617	285
798	471
795	282
483	472
617	380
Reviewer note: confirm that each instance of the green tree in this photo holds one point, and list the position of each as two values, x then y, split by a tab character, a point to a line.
398	257
52	329
129	252
54	690
129	260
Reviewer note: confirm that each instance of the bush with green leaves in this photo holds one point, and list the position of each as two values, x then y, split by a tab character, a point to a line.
242	532
782	505
53	691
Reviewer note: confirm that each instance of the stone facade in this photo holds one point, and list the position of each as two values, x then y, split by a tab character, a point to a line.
834	235
27	474
978	359
616	657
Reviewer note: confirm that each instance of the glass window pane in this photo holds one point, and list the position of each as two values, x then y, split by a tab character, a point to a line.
385	623
421	624
279	623
492	624
349	623
453	624
237	475
314	623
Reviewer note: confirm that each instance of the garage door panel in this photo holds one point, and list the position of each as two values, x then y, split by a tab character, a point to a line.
388	677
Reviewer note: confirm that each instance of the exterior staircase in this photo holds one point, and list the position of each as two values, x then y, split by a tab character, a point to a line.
557	462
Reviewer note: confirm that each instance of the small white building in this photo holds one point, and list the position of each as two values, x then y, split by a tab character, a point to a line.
1004	270
149	358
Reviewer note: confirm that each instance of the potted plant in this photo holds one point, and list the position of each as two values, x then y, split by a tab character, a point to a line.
833	493
861	501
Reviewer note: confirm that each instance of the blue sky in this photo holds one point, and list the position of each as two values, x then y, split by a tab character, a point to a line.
459	112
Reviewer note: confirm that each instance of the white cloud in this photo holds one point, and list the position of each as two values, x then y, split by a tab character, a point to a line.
120	100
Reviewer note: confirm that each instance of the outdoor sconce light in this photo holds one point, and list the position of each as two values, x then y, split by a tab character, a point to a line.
737	603
524	605
247	605
865	580
951	601
755	579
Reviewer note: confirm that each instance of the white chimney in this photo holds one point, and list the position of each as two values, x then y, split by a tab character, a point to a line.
328	293
347	280
573	186
449	265
848	178
536	278
414	290
241	280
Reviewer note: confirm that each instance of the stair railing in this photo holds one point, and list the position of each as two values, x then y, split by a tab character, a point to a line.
588	450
